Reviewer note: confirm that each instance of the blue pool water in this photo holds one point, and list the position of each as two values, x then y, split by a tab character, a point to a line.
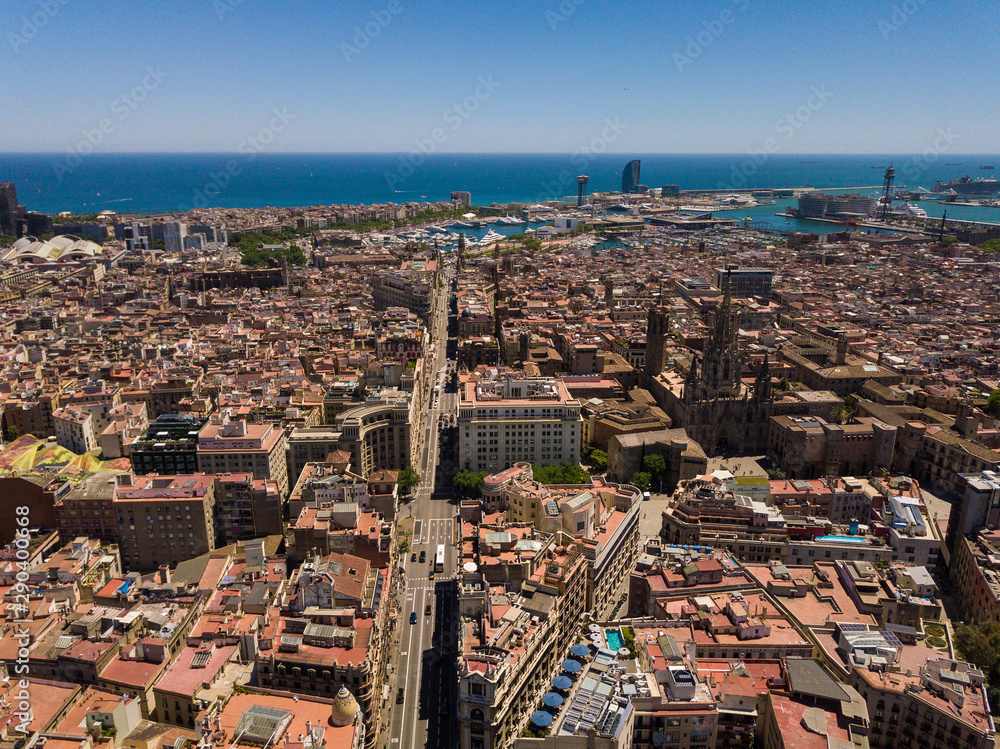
614	638
843	539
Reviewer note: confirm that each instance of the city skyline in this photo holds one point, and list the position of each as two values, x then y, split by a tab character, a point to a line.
512	375
517	77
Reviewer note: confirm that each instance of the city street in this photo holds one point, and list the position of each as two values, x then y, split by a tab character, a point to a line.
424	652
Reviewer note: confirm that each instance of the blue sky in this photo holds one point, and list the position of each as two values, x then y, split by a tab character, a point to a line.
814	76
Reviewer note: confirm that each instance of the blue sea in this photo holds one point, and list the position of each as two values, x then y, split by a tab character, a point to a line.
147	183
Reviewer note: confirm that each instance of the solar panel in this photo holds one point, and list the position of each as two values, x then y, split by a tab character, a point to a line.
891	639
853	627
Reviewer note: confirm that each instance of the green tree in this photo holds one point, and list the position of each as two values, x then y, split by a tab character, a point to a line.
407	479
979	644
469	483
654	465
12	433
840	414
784	385
775	474
993	403
598	460
568	473
640	480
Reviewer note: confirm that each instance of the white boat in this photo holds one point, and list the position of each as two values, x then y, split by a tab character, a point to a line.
491	237
460	225
510	221
911	210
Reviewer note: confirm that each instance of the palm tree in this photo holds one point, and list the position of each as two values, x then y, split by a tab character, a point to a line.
840	414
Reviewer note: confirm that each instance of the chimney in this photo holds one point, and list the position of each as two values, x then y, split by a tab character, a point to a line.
163	573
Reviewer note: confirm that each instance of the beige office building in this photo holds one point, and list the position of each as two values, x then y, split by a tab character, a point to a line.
517	419
226	446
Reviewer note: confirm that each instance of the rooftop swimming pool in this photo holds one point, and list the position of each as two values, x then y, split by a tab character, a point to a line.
614	638
844	539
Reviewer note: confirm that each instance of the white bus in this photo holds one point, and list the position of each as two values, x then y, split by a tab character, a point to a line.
439	559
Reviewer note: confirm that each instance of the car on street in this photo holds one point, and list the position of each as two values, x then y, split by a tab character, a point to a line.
399	696
413	557
423	556
427	610
413	617
431	575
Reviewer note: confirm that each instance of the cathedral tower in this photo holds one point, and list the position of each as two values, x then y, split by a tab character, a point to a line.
721	364
657	328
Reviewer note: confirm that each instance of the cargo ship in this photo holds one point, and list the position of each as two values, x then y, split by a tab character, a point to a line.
968	186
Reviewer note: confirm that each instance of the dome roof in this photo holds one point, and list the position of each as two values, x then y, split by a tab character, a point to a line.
345	708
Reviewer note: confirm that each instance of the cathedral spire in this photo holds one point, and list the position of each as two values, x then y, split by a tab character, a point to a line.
721	363
691	380
762	384
723	315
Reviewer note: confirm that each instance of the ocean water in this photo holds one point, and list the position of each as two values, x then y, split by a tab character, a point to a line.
142	183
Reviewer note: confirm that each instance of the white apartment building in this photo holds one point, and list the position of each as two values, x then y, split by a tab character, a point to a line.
75	429
174	233
515	419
